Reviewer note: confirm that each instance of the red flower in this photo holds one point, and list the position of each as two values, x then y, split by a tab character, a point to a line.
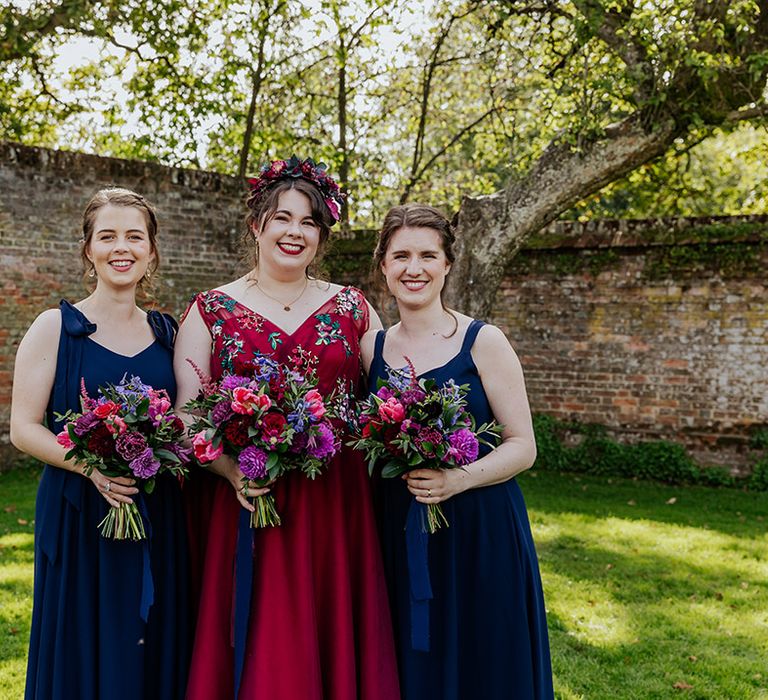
101	442
106	409
272	426
236	431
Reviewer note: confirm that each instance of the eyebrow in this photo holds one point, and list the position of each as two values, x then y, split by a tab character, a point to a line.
421	252
111	230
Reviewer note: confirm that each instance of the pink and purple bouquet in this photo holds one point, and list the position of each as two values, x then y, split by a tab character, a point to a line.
411	423
271	421
129	430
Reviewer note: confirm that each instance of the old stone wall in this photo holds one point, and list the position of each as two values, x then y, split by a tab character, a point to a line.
655	329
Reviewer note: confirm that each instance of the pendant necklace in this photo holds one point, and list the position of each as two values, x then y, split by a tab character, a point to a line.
286	306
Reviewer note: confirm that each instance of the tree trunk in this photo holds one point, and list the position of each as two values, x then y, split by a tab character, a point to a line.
492	229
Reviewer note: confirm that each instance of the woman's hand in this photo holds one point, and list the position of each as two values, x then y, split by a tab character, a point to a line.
227	467
115	489
432	486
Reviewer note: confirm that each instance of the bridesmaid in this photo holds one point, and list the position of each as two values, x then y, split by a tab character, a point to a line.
467	601
297	611
109	617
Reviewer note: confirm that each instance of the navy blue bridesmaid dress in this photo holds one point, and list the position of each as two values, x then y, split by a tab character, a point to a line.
110	618
467	601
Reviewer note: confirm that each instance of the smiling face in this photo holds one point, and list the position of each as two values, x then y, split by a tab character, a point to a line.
289	238
119	246
415	266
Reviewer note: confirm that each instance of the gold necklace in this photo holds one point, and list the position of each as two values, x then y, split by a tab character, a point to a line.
286	306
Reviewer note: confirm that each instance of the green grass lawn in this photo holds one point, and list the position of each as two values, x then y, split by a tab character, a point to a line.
652	591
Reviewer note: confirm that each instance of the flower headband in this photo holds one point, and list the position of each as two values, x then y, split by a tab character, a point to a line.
307	169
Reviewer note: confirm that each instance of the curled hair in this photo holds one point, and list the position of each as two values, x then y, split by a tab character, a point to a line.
415	215
119	197
262	206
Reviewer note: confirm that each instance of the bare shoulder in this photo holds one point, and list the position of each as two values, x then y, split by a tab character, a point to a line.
367	344
492	346
47	326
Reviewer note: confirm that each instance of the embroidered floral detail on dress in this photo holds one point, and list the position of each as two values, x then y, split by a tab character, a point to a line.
329	331
275	340
217	328
349	300
231	346
302	360
214	301
252	321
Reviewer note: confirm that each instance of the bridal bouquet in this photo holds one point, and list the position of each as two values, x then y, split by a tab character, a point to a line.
412	423
271	421
129	430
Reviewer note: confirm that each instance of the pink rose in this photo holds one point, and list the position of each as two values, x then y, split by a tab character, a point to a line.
116	425
315	403
243	401
392	411
204	449
64	440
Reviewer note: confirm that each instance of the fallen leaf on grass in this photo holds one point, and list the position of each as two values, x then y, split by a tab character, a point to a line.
21	521
744	585
682	685
10	509
693	658
608	567
718	596
14	630
632	503
671	501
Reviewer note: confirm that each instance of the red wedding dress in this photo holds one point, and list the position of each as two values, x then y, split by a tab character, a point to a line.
319	626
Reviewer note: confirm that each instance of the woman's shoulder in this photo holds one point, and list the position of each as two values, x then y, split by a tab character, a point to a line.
48	323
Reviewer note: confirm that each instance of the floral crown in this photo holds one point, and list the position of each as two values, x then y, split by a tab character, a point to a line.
307	169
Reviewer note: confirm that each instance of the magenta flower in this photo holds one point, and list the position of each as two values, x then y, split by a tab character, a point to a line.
323	444
145	465
221	412
232	381
85	423
411	396
464	446
385	393
253	462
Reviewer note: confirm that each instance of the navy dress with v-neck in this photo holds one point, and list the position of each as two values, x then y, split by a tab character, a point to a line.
92	636
486	629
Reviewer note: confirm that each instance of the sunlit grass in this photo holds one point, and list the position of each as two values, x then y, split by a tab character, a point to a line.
17	507
652	591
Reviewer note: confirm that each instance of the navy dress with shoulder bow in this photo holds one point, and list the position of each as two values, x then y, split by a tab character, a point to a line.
110	618
467	601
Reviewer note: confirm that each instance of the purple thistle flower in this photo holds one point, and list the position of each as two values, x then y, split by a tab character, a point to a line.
253	462
145	465
130	445
323	444
232	381
85	423
299	443
221	412
464	446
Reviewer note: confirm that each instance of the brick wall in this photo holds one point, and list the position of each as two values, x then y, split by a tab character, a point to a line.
655	329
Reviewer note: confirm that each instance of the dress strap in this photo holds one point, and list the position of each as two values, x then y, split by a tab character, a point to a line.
164	327
470	334
378	346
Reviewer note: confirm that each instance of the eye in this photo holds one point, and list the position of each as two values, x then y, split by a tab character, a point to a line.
309	222
281	217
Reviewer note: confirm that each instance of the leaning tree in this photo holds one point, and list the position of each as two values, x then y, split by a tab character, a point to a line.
670	69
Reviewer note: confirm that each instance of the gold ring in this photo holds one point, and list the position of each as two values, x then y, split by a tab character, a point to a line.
107	487
429	493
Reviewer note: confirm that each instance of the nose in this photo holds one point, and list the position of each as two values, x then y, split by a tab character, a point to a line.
121	243
414	267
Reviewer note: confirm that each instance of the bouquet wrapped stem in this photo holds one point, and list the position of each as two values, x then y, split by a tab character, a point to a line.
435	518
266	514
123	523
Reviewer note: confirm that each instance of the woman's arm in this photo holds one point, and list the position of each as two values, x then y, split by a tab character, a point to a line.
194	345
503	383
33	379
